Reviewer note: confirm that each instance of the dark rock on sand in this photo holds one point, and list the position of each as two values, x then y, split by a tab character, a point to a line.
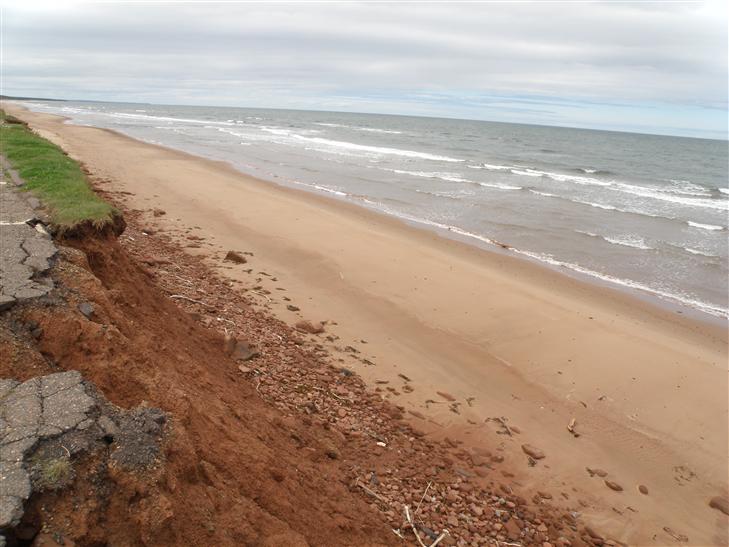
233	256
643	489
532	451
291	307
720	503
612	485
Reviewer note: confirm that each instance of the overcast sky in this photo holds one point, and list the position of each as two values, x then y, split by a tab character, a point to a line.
648	67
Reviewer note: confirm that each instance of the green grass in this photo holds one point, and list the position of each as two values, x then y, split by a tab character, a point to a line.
55	178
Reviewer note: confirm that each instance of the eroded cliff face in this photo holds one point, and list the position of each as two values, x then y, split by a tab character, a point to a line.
275	445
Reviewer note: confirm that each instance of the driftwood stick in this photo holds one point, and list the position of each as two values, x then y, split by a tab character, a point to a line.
187	298
412	526
422	498
371	492
440	537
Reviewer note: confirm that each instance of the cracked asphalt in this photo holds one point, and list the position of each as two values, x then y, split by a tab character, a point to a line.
25	251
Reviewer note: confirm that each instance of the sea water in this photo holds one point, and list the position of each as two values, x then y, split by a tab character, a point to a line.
645	212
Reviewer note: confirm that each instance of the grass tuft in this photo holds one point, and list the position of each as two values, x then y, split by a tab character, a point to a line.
54	474
55	178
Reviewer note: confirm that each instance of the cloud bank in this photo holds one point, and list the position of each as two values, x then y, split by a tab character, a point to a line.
653	67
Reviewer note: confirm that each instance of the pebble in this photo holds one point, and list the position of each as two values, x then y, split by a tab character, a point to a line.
613	486
233	256
532	451
309	327
598	472
643	489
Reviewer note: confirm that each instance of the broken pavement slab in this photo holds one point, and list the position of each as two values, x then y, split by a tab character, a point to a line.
45	422
26	253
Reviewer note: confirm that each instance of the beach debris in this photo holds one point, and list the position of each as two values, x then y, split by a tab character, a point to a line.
643	489
612	485
675	535
533	451
720	503
233	256
446	396
505	429
594	471
309	327
571	428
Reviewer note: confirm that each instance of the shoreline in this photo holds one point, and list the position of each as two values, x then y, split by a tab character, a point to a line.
704	312
463	320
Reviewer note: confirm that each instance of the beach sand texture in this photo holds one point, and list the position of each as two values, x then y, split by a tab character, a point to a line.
647	387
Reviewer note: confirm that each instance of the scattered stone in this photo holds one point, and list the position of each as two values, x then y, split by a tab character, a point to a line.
643	489
159	212
612	485
309	327
233	256
291	307
86	309
244	369
720	503
244	351
532	451
599	472
446	396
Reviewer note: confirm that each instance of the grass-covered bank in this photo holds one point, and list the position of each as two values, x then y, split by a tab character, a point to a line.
54	177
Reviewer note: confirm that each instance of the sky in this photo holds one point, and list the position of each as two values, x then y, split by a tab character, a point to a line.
651	67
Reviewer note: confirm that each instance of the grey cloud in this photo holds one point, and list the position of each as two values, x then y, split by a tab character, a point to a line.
673	54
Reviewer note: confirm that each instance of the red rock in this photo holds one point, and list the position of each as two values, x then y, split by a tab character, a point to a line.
532	451
720	503
244	351
309	327
233	256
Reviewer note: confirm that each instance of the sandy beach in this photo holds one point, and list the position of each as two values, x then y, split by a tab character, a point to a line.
481	334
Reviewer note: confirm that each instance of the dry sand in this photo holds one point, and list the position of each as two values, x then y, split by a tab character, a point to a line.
504	337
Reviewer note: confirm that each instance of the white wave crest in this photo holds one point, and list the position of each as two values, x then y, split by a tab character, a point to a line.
711	227
698	252
629	241
360	128
377	149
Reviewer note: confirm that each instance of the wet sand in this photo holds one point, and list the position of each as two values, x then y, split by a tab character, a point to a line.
502	336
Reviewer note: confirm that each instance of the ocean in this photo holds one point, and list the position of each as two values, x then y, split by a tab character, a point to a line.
643	212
